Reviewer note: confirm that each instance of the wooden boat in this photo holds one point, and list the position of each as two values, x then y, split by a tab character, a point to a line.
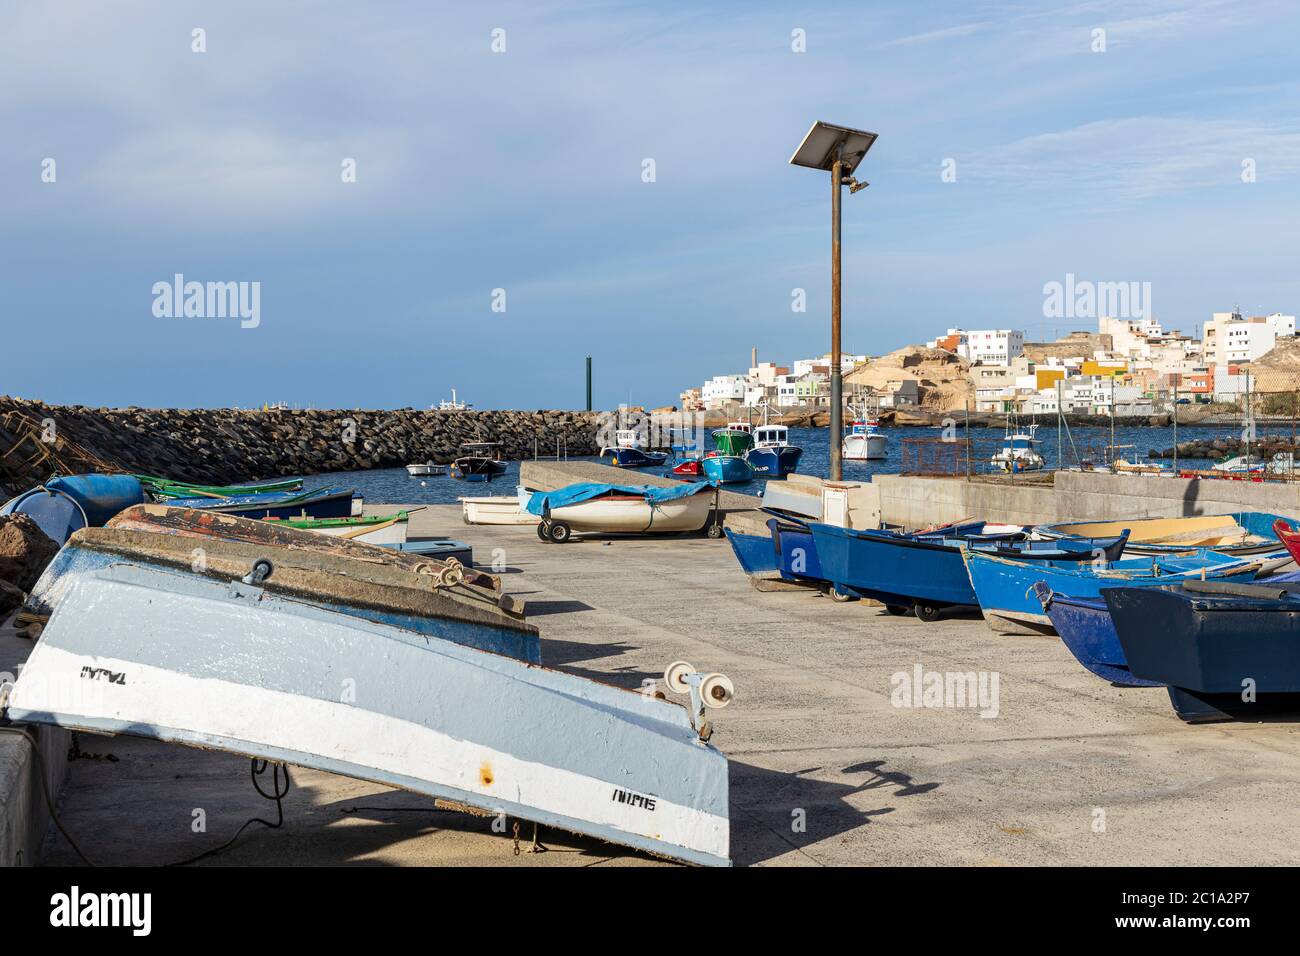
1005	585
501	510
1225	651
1289	536
482	463
1242	533
170	488
1088	633
425	469
189	658
624	509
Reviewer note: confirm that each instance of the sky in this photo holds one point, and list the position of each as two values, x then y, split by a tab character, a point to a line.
503	222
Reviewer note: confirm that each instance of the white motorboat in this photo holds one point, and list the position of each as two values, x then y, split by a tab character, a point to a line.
1018	452
425	469
501	510
865	442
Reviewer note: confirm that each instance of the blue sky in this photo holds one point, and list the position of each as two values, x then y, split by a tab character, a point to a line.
522	171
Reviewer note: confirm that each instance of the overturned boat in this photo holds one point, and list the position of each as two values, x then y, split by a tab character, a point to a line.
441	600
219	661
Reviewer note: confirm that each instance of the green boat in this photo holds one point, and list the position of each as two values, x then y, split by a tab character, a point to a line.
733	441
372	529
168	488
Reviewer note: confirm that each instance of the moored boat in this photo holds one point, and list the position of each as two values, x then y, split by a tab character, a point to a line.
434	717
1019	452
864	441
425	469
1005	584
1225	651
726	469
482	462
772	455
629	451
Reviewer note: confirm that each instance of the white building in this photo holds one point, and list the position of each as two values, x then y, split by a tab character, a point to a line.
722	389
1229	337
823	363
991	346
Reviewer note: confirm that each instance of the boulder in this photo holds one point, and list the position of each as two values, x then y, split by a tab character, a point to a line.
25	550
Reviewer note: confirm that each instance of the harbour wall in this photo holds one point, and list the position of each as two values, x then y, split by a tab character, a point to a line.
1076	496
223	445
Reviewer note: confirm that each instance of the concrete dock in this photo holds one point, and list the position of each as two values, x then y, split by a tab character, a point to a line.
825	770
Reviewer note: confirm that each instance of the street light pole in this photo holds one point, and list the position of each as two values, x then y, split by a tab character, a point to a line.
837	150
837	384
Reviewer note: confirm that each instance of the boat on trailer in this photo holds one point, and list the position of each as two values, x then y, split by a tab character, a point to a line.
482	462
187	658
600	508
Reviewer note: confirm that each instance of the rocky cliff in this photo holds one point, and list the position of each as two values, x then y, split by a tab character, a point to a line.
221	446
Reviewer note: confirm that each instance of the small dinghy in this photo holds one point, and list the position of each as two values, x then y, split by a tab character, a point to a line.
425	469
221	662
623	509
384	530
495	511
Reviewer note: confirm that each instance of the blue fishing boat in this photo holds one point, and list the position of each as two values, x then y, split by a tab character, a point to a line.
1225	651
67	503
925	571
629	452
214	662
772	455
1088	633
1004	585
727	469
319	503
754	552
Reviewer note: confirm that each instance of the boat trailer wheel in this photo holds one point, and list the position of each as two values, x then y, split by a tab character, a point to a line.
926	612
838	596
714	529
543	530
897	610
559	532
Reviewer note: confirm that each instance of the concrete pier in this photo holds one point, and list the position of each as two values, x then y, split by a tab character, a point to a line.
826	769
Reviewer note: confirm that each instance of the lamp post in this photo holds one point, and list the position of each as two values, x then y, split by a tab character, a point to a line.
838	150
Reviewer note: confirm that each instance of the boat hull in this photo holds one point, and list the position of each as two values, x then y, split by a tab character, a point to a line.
1240	533
477	469
1088	633
422	471
1209	649
774	462
385	532
754	552
324	503
634	515
895	569
728	469
632	457
495	511
254	674
865	448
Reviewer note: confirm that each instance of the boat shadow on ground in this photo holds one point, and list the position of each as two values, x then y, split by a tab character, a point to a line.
542	608
774	813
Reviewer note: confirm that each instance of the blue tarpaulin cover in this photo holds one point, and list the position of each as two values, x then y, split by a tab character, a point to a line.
585	491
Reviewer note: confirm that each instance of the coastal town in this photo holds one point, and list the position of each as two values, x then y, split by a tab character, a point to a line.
1126	367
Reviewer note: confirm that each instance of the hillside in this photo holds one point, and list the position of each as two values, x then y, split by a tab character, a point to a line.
944	379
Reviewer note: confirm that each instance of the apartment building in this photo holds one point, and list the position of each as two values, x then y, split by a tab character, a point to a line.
1231	337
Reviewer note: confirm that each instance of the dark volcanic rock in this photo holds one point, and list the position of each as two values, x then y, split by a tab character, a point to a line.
25	550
